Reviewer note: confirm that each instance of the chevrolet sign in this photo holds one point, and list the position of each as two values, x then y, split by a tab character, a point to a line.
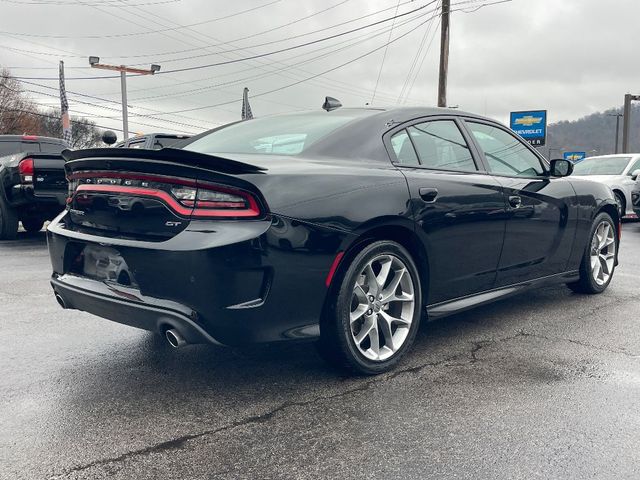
531	126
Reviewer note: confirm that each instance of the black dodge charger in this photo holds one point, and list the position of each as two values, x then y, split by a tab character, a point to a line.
347	227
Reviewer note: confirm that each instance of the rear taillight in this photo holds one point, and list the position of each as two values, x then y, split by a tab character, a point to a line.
217	201
25	167
185	197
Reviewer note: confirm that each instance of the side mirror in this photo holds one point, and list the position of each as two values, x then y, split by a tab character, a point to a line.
561	168
635	174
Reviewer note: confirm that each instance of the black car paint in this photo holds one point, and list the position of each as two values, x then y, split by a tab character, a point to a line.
244	281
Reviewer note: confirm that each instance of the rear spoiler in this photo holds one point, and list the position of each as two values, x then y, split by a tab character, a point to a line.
174	155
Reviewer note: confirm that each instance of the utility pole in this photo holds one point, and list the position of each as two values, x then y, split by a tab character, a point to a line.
628	98
95	63
617	115
444	53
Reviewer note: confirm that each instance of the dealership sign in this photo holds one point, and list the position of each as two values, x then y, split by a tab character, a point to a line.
575	157
532	126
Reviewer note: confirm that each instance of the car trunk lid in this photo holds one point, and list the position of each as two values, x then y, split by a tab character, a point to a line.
153	194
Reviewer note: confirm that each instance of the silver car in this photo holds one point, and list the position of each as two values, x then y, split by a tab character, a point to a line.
619	172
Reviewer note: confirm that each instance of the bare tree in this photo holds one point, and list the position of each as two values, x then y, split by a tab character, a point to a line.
84	133
16	111
19	115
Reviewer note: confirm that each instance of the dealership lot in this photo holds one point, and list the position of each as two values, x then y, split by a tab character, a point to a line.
541	386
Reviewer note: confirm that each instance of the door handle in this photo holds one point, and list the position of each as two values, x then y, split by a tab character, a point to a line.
515	201
428	194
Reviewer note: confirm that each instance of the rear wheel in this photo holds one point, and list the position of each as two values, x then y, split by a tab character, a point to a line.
8	221
32	225
598	262
373	318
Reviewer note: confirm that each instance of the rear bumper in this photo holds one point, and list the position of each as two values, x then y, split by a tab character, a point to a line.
129	307
24	195
229	283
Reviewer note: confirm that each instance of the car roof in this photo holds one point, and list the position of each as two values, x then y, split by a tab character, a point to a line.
29	138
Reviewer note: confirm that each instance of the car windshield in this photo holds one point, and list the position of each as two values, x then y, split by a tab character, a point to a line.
279	135
601	166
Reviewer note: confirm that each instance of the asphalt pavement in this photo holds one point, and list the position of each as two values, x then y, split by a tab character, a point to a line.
545	385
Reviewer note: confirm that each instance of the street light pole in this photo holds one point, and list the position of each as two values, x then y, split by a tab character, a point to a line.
95	63
125	111
617	115
626	130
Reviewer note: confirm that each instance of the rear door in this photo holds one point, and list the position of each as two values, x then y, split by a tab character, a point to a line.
459	209
541	210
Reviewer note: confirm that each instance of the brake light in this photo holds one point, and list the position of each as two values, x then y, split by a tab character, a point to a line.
25	167
217	201
186	197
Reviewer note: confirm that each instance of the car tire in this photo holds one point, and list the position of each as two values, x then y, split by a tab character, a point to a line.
599	259
8	221
32	225
368	326
621	203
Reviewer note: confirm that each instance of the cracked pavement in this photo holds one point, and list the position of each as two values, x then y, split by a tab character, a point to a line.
544	385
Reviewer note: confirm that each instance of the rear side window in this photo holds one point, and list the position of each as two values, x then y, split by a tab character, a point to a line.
403	149
138	143
441	146
47	147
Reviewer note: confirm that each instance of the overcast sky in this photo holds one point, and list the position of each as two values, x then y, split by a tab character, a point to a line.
571	57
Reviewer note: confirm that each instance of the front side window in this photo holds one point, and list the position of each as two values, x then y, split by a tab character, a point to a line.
440	145
505	154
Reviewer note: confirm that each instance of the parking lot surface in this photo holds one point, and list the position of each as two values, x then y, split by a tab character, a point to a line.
545	385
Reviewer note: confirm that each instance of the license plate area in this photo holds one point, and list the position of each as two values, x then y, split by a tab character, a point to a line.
100	263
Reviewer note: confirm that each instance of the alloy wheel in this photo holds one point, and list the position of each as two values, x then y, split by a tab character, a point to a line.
382	307
603	253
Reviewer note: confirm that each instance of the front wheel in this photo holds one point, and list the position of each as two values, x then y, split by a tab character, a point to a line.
373	318
599	260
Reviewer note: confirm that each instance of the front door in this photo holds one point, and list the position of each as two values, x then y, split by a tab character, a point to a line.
459	210
541	210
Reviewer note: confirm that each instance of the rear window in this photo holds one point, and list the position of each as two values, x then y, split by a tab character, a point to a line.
161	142
47	147
601	166
278	135
9	148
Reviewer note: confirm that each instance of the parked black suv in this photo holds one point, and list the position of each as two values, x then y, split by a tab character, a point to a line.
33	187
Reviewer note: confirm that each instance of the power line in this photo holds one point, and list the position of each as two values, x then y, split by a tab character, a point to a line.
120	35
262	55
384	56
308	78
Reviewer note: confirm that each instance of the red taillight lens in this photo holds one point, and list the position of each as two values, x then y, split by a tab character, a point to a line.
186	197
25	167
217	201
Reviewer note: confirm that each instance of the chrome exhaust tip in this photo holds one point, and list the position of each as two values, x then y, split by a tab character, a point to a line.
175	339
60	301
